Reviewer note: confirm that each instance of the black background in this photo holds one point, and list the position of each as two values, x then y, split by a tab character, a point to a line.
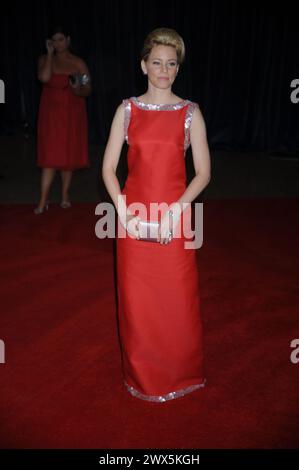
240	61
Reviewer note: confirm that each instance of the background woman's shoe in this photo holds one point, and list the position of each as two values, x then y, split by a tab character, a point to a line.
65	204
39	210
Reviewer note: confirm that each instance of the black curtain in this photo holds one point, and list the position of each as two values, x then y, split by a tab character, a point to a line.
239	64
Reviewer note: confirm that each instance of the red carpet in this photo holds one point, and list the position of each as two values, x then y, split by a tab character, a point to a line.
61	383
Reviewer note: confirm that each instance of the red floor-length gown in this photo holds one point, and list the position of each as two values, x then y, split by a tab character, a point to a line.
158	285
62	139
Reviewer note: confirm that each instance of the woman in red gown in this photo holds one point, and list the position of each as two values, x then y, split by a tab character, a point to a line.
158	283
62	142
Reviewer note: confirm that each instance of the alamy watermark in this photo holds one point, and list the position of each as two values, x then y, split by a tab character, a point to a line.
295	93
294	357
2	92
106	226
2	351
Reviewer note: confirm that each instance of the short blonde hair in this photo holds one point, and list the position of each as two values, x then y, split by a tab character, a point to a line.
165	37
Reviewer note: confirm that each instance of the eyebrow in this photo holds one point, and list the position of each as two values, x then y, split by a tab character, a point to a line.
159	58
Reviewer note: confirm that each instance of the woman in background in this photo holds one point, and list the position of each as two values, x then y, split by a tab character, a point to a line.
62	138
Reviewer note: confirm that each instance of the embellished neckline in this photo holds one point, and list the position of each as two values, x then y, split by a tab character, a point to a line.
159	107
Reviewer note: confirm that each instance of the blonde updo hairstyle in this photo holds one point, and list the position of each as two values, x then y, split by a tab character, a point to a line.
165	37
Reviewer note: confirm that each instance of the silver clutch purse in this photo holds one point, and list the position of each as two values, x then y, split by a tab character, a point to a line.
149	230
83	79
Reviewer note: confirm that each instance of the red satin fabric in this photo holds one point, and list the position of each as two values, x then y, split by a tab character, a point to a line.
62	126
158	285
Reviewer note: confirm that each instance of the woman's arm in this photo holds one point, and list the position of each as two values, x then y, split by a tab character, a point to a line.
44	67
202	165
110	162
84	90
201	159
45	63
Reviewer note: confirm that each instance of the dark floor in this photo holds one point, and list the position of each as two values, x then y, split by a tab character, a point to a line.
234	175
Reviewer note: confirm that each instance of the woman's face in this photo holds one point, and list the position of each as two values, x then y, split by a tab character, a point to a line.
161	66
60	42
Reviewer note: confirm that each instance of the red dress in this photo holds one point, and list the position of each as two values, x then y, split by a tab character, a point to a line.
62	141
158	285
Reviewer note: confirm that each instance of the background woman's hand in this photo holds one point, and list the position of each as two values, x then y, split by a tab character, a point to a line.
49	46
74	82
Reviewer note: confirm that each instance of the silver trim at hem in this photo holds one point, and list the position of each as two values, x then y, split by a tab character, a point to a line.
167	396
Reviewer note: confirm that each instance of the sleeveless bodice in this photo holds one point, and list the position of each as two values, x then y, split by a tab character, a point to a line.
158	137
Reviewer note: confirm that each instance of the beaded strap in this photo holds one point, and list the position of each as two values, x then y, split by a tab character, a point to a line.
188	119
127	106
159	107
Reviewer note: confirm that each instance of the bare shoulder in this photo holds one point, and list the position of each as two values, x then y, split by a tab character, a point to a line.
198	125
120	112
177	99
79	62
197	113
117	126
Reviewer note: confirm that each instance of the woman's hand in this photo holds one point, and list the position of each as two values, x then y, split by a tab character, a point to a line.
131	224
49	46
169	223
75	83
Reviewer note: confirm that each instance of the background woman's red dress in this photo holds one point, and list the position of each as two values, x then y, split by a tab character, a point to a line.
62	140
158	285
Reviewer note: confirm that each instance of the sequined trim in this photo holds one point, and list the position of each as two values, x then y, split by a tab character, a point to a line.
159	107
188	120
167	396
127	105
